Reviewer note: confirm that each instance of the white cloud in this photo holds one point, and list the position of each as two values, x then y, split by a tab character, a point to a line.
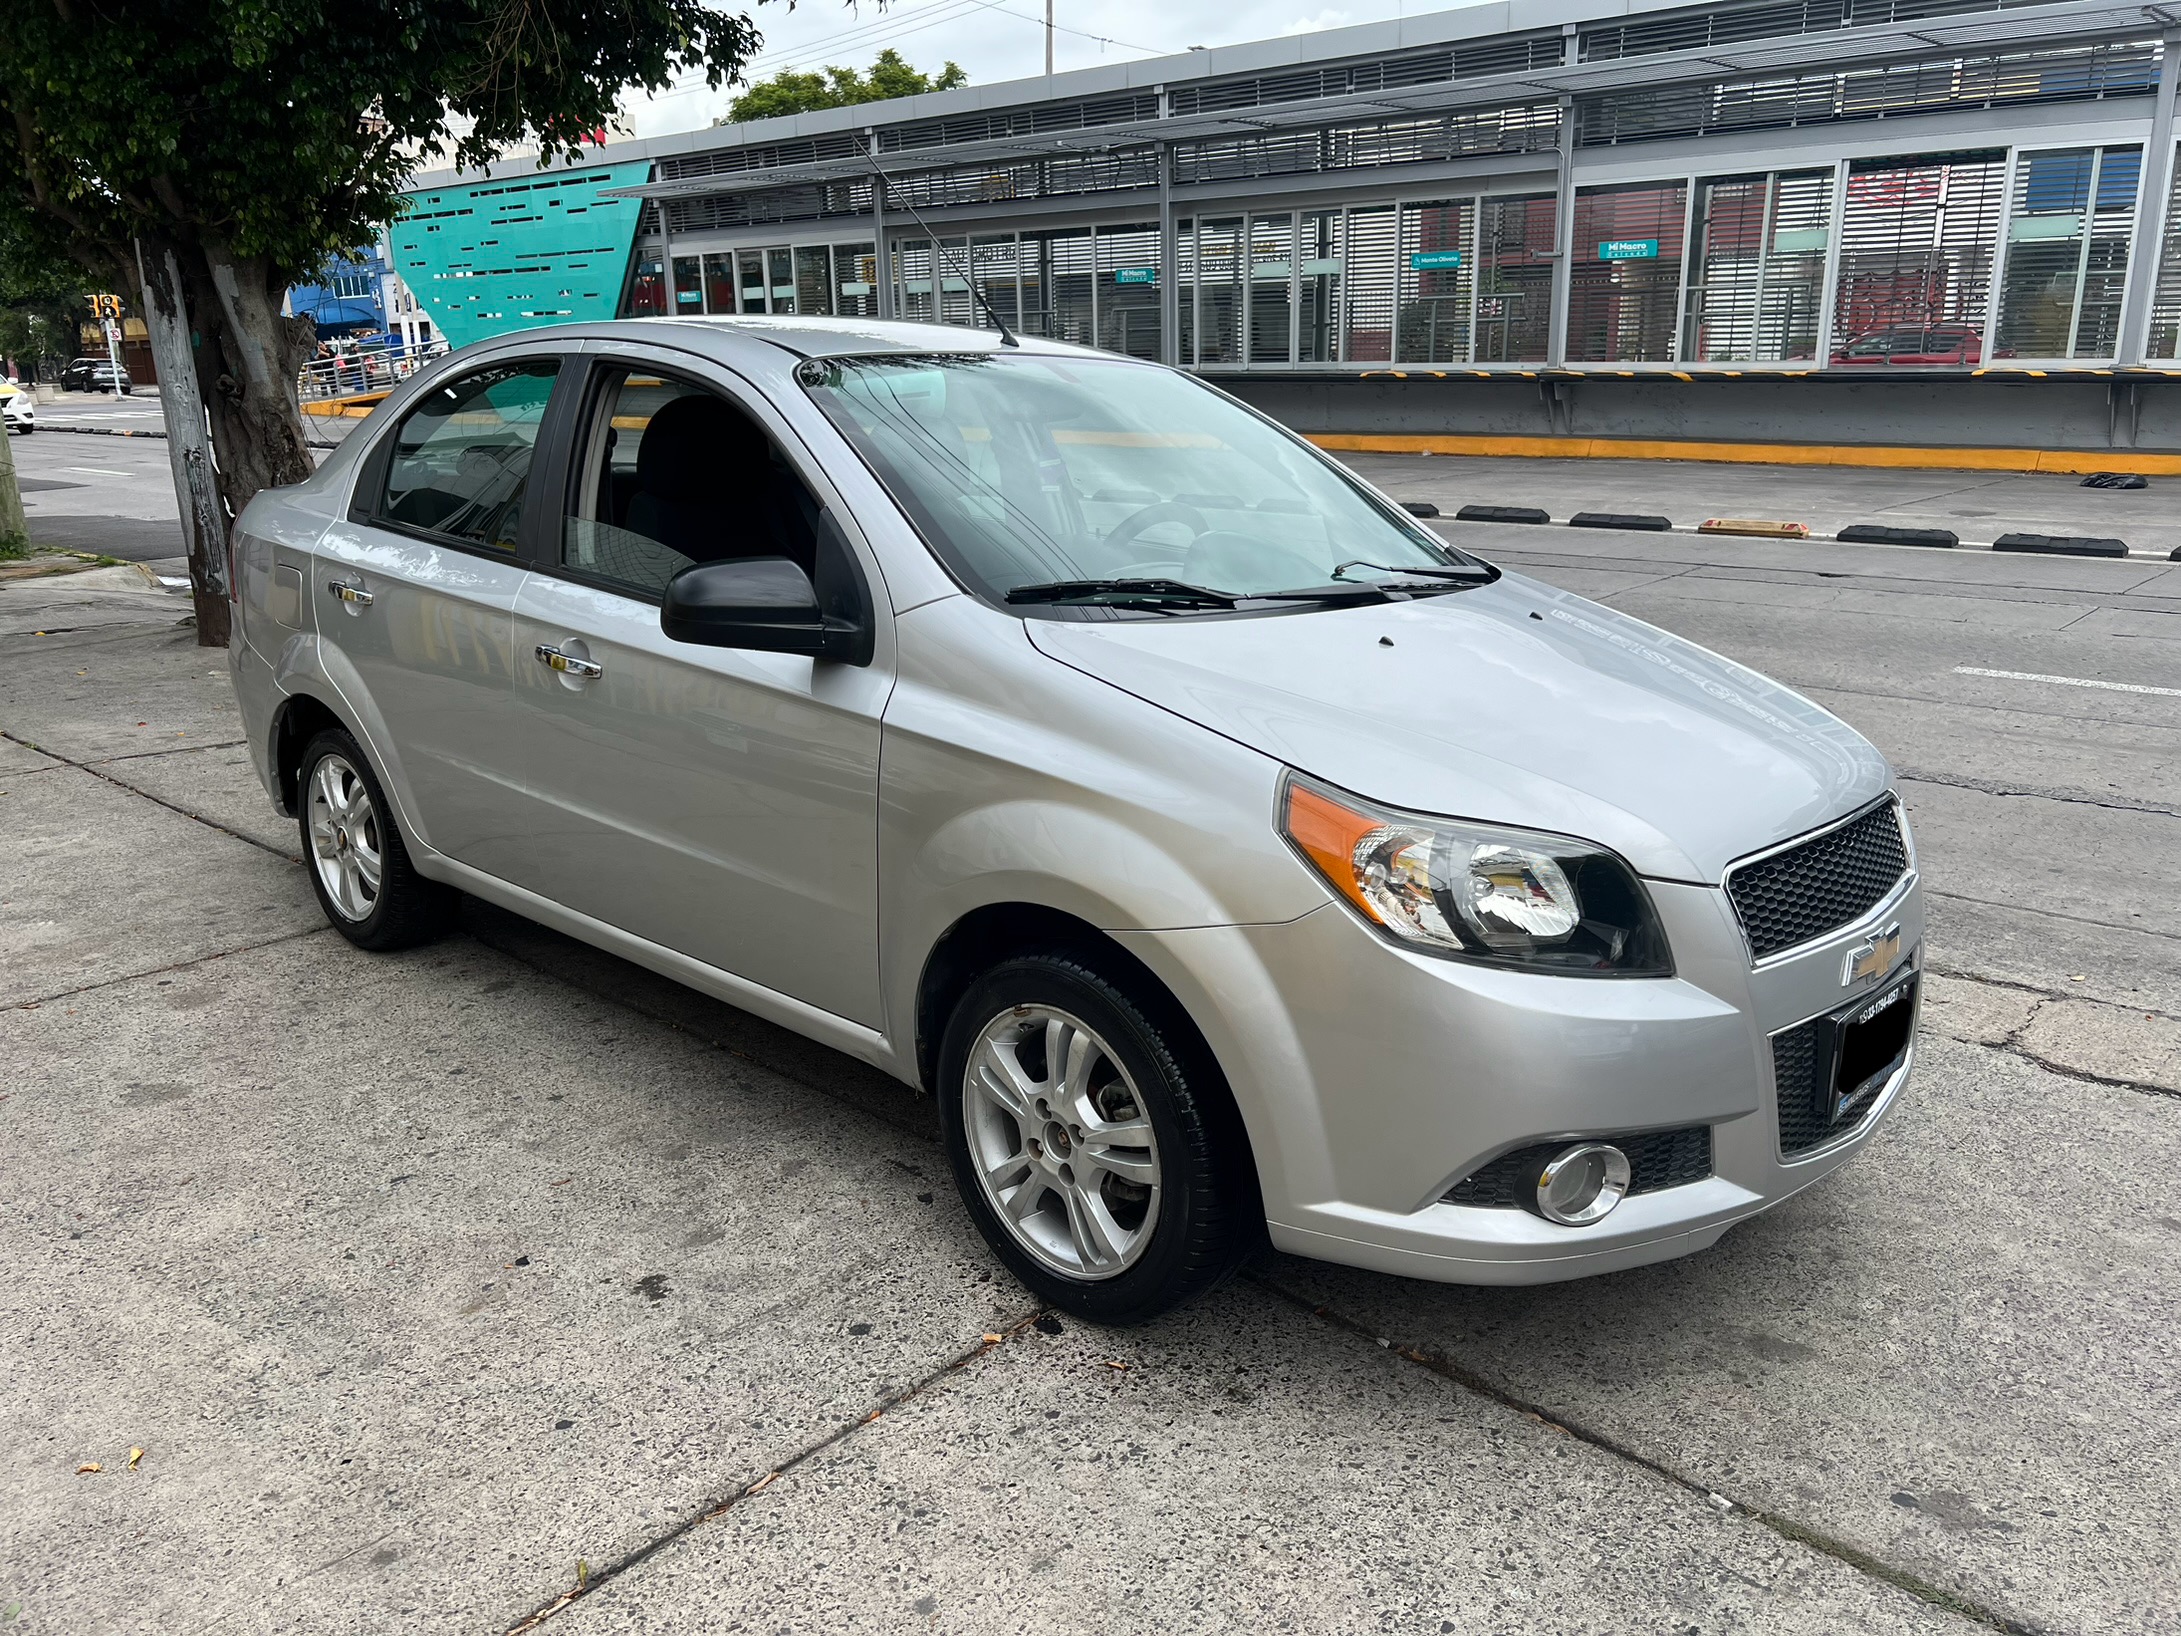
1313	25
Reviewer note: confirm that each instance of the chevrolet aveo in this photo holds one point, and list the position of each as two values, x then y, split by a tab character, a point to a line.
1225	852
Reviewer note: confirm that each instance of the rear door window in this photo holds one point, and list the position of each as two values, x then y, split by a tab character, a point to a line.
461	458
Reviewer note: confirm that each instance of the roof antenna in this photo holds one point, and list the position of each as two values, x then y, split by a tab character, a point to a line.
1007	336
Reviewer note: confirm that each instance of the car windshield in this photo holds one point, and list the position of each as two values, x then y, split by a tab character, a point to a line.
1026	471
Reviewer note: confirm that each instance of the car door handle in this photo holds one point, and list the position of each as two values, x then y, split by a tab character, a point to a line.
568	662
350	593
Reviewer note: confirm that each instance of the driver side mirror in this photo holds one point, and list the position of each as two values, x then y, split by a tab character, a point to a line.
764	604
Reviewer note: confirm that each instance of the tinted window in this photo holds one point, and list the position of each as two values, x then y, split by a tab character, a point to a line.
672	474
462	456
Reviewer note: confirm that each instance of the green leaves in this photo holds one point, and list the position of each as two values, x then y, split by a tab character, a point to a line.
791	93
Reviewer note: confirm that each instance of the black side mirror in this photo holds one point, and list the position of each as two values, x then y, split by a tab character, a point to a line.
762	603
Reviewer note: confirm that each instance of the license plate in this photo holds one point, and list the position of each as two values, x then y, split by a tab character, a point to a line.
1869	1040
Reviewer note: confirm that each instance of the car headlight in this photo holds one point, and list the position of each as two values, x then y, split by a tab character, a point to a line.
1501	897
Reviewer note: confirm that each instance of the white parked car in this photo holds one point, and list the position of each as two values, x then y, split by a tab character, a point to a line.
1226	852
18	408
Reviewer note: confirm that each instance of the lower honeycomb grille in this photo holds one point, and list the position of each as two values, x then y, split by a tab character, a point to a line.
1657	1159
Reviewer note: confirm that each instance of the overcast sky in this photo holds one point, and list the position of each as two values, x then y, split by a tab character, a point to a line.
1003	39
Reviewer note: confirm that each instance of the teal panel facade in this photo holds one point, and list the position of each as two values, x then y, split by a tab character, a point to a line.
548	247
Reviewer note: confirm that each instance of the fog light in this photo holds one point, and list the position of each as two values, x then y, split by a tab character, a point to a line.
1582	1184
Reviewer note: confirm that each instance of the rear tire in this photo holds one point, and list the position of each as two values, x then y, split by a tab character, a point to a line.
358	864
1107	1183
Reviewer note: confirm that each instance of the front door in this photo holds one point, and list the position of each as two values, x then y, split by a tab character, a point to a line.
414	593
719	802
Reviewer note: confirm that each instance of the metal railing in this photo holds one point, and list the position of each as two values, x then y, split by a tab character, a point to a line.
365	369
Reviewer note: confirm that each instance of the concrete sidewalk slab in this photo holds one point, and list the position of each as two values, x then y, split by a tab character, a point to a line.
1959	1355
216	783
1248	1468
419	1279
100	884
119	690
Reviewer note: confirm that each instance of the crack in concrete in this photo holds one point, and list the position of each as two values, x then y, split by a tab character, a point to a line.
160	971
2052	914
1989	786
1787	1528
2011	1044
716	1509
157	800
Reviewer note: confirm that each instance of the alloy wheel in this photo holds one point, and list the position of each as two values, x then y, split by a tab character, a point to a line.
1061	1142
347	848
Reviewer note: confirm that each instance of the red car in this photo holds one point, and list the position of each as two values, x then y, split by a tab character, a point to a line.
1911	344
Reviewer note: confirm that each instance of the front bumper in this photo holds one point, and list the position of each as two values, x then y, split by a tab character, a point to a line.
1391	1076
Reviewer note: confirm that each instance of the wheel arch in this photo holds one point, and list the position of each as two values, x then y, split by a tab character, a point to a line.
993	932
300	718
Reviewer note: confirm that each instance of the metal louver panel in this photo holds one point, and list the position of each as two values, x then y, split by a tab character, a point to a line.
1624	284
1514	278
2166	295
1760	268
2068	232
1371	279
1435	296
1916	248
1724	25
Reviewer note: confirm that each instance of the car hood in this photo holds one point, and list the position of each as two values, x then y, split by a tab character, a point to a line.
1512	703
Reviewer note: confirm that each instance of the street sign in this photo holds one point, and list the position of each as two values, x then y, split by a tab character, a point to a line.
1135	275
1628	250
1433	261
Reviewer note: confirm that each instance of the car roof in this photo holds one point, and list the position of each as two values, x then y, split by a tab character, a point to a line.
851	337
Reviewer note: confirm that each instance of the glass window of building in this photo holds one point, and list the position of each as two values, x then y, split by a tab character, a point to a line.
1221	270
1271	289
1128	290
1368	274
2068	230
688	285
1759	271
1319	278
1624	286
1917	238
719	282
2166	295
855	280
1438	272
647	288
1514	279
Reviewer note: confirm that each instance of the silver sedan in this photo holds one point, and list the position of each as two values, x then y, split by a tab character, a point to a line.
1229	855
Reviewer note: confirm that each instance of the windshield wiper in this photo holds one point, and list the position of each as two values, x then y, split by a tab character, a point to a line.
1474	572
1171	592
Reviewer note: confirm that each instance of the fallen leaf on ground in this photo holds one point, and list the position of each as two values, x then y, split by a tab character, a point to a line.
89	1468
989	1340
1110	1364
135	1455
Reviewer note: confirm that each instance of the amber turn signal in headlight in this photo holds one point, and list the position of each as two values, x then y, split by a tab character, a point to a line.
1499	896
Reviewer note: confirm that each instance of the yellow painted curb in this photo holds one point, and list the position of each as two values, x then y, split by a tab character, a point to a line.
1760	454
353	407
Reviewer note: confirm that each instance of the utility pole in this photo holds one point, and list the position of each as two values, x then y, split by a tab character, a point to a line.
1048	39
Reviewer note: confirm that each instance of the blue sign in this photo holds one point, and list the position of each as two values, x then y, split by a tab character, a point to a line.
1628	250
1433	261
1135	275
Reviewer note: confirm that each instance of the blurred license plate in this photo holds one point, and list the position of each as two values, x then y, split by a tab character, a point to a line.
1871	1039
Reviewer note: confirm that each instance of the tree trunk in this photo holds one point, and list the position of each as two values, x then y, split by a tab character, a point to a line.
14	530
189	445
247	366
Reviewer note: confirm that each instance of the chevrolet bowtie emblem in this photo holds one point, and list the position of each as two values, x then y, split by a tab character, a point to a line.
1873	957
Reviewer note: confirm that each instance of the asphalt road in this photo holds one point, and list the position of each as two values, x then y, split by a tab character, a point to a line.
109	495
439	1287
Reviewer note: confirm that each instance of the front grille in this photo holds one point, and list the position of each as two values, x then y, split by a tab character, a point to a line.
1657	1159
1808	890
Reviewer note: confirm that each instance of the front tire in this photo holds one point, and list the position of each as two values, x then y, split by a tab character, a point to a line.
359	866
1085	1143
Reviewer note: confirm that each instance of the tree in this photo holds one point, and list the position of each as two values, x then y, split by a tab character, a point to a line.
207	153
792	93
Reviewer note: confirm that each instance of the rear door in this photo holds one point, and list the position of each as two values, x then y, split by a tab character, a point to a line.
414	593
722	803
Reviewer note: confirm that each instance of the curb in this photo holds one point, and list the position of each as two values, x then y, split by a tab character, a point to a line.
2068	545
100	431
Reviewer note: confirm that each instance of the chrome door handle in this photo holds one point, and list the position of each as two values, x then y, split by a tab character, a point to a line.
350	593
568	663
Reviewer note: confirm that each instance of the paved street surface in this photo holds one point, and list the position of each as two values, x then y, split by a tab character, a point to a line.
109	495
439	1287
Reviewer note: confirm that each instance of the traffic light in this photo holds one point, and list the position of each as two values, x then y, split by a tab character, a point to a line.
105	306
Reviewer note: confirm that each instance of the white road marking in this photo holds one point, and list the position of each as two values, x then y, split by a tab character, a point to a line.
2067	681
98	471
